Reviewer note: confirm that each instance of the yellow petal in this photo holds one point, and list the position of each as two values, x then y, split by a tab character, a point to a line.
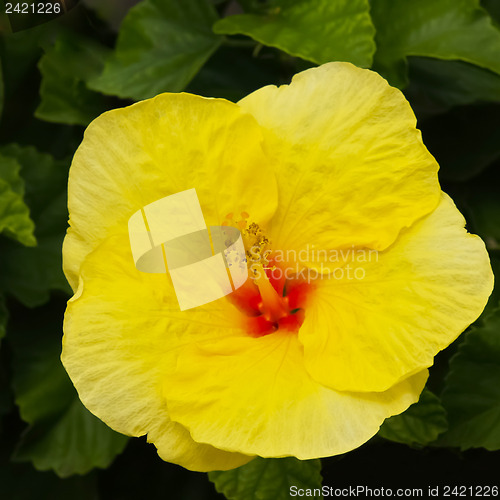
118	330
416	297
195	382
255	396
350	164
133	156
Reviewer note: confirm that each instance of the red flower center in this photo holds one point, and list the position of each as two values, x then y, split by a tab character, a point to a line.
271	301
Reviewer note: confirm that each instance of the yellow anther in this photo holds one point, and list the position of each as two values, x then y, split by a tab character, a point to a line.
256	244
253	229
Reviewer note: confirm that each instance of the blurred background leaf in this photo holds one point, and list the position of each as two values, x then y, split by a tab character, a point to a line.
162	44
65	67
445	29
420	425
493	7
15	219
234	72
30	273
331	31
268	478
63	435
111	12
472	393
450	83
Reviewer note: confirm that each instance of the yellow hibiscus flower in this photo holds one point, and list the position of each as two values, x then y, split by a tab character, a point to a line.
306	367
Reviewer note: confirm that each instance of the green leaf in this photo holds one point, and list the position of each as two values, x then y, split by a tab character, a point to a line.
472	393
249	5
421	424
20	51
162	44
30	273
444	29
233	73
493	8
74	442
112	12
63	436
15	219
268	479
451	83
329	31
65	67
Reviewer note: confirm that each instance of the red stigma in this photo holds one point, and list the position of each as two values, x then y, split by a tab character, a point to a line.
265	309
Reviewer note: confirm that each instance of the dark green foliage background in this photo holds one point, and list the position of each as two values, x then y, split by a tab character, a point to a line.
59	73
